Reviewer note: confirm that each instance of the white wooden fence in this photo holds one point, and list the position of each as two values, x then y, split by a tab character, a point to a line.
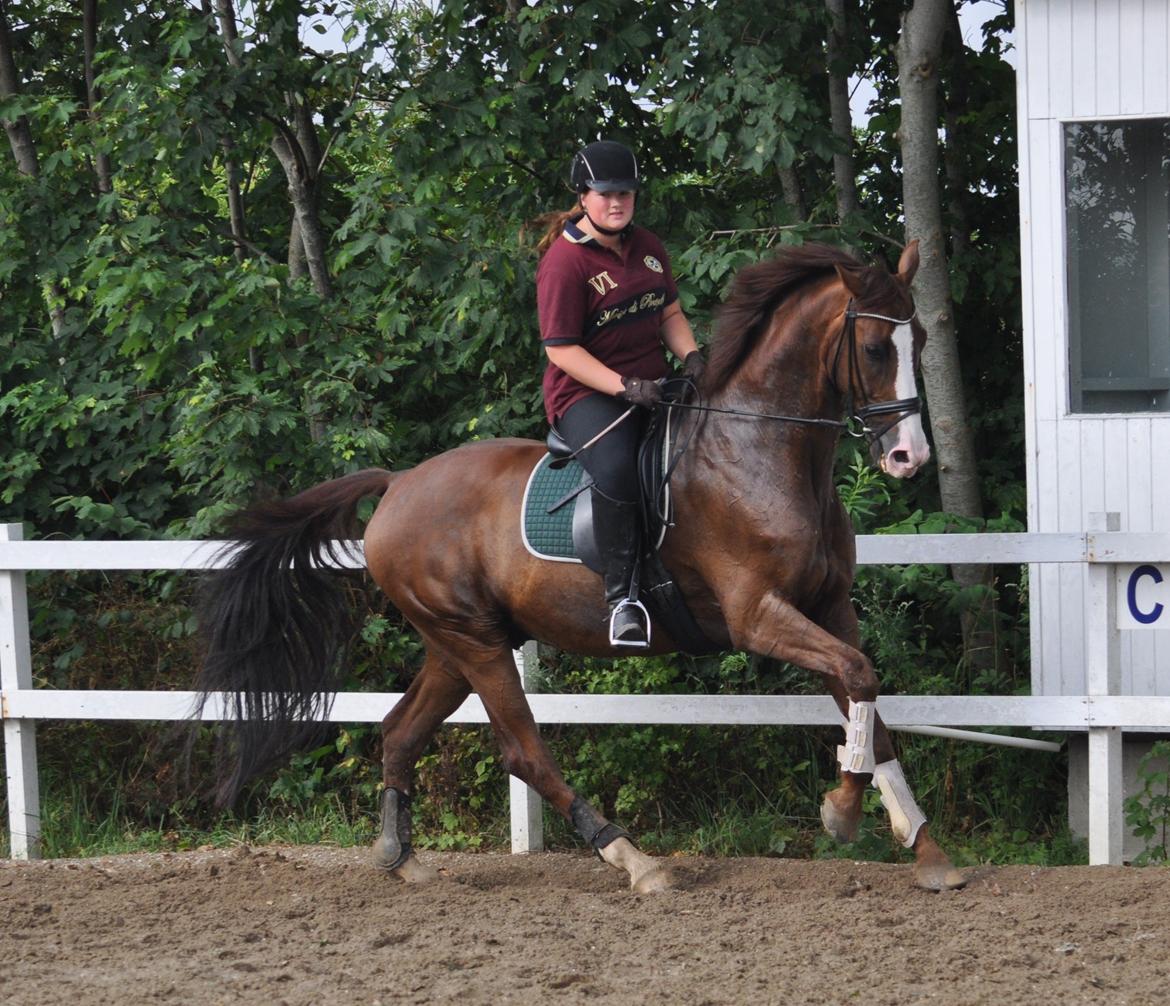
1101	711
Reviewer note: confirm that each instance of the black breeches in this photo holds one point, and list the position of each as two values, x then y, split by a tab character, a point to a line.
612	461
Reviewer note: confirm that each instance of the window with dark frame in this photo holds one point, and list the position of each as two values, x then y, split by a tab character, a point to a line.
1117	221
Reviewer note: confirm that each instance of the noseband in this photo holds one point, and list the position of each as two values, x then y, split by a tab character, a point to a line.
899	408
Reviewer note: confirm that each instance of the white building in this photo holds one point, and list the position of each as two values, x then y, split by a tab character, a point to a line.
1094	139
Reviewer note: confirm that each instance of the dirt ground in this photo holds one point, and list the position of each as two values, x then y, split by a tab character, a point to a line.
318	925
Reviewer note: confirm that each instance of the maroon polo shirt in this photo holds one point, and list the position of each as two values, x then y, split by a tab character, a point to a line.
589	295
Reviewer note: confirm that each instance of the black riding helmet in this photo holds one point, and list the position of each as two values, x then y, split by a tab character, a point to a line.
604	166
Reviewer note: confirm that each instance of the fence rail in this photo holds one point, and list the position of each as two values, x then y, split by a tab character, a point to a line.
1102	712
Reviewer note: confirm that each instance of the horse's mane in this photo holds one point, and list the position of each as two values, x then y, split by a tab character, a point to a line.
759	289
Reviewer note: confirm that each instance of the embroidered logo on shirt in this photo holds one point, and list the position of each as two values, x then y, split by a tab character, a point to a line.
603	281
652	263
652	301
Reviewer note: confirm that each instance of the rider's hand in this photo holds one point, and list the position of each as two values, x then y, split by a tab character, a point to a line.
694	365
640	392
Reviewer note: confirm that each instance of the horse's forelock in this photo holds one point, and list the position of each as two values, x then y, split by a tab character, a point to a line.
760	288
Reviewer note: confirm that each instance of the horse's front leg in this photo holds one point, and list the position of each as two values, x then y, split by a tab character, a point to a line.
775	628
841	810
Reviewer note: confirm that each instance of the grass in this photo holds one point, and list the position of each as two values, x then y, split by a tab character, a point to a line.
728	828
69	829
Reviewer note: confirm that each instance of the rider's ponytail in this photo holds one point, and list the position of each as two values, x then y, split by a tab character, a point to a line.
550	226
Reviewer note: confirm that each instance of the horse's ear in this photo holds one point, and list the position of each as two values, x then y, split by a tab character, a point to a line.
850	277
908	263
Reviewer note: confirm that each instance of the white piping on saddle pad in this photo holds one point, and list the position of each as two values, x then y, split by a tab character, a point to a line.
856	754
905	816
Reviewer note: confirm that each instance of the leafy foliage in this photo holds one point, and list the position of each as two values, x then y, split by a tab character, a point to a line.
1147	812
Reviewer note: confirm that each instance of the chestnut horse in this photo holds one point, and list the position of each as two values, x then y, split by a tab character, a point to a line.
761	548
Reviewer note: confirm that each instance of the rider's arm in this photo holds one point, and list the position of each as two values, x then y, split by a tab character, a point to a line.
676	331
583	366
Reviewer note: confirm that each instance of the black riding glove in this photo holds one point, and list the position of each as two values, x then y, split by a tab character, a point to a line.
640	392
694	365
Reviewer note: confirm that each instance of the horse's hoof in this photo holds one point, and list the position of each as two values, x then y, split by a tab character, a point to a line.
842	827
653	881
410	872
647	874
938	877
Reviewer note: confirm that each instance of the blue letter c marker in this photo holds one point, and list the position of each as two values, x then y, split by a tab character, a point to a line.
1145	617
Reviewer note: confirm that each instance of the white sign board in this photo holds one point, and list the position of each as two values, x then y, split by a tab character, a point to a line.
1143	596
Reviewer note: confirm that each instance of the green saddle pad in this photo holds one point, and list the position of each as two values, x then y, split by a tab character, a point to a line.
550	535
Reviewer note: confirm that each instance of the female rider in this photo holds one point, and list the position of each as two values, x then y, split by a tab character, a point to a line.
607	303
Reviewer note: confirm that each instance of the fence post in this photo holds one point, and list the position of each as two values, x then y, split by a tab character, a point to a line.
20	736
1102	678
526	805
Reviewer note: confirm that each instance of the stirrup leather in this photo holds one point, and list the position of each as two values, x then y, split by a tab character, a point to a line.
635	644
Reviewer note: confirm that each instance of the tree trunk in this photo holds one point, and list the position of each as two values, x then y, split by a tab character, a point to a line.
301	165
25	152
299	155
844	170
297	266
235	198
954	163
19	133
919	54
227	26
306	195
791	192
105	182
302	192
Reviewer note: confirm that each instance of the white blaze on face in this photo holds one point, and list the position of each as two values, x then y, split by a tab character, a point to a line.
904	447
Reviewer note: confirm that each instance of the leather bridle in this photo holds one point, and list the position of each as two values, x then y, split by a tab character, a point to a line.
857	416
899	408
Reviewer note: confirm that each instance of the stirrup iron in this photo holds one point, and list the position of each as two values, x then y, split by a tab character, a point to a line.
632	644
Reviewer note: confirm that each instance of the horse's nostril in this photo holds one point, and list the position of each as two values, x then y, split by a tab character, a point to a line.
902	457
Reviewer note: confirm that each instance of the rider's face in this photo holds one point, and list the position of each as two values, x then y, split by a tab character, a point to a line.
613	210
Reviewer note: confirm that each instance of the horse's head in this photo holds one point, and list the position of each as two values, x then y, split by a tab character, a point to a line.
864	340
874	362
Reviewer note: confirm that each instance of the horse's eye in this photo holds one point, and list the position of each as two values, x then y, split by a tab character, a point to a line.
875	350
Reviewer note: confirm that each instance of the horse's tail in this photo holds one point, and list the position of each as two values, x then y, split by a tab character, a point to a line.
277	624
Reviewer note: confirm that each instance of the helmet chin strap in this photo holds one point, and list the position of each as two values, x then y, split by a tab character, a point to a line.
609	232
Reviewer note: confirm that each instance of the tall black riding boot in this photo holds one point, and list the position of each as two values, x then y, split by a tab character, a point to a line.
615	529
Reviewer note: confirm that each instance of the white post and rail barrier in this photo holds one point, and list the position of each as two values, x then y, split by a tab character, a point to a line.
1126	574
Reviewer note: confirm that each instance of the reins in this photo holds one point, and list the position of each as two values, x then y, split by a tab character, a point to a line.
657	491
807	420
898	407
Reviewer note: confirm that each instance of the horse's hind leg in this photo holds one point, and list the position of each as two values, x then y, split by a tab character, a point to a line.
526	756
436	692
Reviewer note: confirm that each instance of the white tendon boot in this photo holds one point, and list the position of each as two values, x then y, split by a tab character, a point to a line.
856	754
905	816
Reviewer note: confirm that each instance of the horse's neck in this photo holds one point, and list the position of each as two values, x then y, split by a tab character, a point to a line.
783	377
785	372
